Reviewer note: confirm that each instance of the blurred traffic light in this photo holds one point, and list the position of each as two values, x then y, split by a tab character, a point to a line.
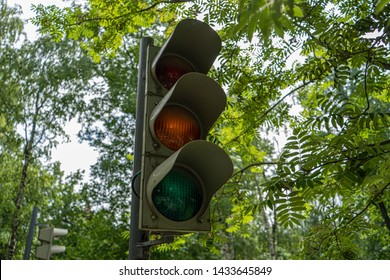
47	248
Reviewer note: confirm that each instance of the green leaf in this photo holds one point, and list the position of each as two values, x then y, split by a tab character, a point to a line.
281	207
297	11
295	221
265	22
270	205
294	193
252	27
340	120
279	31
247	219
298	208
380	6
233	228
283	212
298	216
297	203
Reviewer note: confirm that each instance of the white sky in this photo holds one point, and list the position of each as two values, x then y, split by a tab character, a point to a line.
72	155
28	13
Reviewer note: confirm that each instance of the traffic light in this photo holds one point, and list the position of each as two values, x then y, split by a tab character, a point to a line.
180	170
47	248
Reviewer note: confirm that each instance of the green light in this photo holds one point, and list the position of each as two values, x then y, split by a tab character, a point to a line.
178	196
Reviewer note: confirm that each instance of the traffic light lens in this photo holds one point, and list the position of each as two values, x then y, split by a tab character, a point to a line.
170	68
175	126
178	196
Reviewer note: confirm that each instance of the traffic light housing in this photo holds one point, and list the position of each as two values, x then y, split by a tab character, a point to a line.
180	171
47	248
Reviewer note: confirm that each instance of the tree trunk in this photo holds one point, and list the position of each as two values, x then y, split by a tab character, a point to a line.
273	237
19	199
385	215
270	229
23	179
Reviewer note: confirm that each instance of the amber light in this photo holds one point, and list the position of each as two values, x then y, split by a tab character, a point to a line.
170	68
175	126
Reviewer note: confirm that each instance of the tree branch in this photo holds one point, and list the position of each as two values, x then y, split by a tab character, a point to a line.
130	13
371	201
385	215
367	158
273	107
241	171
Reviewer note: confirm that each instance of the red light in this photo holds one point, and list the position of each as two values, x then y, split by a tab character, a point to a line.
170	68
175	126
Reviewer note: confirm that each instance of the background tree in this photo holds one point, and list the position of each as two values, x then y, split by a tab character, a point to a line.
42	87
45	86
330	182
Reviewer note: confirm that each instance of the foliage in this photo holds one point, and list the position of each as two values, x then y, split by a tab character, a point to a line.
44	85
325	193
108	125
100	25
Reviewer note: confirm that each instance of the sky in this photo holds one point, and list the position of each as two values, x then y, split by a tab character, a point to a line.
72	155
28	13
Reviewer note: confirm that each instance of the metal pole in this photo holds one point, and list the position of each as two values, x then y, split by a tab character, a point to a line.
137	236
31	231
